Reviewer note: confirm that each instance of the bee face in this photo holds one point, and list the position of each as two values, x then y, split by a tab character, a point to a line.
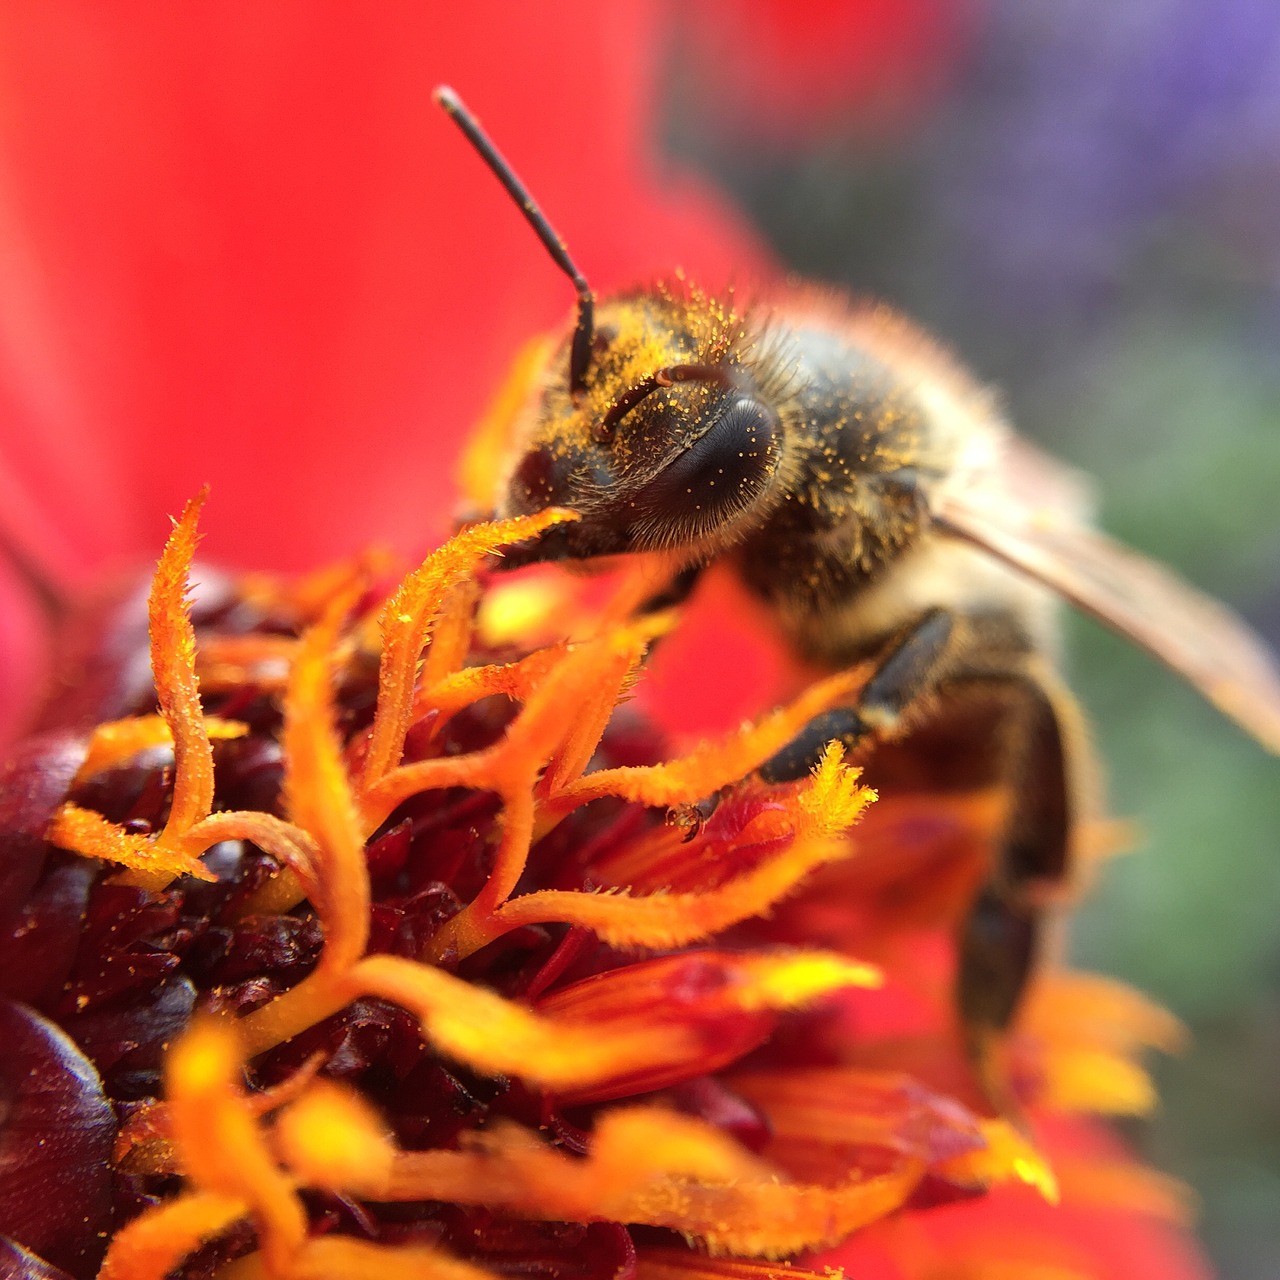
671	443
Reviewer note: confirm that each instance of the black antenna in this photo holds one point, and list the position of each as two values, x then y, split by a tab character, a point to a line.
580	351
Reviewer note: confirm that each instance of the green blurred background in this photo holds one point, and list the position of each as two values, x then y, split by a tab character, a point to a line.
1083	199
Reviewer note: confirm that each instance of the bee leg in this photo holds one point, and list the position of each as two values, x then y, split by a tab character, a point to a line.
982	679
907	669
1000	936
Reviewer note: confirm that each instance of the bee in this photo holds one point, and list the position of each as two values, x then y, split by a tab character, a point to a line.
865	488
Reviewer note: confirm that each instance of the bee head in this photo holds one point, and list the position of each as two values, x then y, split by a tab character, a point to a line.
670	444
649	426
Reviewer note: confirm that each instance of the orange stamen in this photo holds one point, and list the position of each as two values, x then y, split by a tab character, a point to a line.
329	1132
711	766
771	1218
407	620
1089	1032
318	797
848	1107
452	633
632	1148
726	1002
152	1245
154	860
90	834
117	741
335	1258
682	1264
216	1131
497	1037
672	919
1009	1156
230	662
459	689
824	810
173	663
611	674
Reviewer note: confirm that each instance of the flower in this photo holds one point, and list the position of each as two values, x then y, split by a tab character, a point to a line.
504	1042
364	956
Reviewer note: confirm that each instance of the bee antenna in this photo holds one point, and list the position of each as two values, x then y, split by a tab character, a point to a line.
580	351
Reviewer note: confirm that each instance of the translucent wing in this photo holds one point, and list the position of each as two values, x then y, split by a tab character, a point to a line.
1194	635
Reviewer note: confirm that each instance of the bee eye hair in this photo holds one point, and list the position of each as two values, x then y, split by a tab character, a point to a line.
720	474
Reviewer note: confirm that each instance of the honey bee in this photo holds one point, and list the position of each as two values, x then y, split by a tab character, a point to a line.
865	488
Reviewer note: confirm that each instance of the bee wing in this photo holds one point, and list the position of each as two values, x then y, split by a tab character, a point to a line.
1197	637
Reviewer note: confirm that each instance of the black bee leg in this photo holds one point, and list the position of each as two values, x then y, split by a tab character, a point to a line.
907	669
1000	936
994	715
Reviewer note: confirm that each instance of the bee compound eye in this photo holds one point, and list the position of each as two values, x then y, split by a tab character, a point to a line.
540	476
554	476
726	469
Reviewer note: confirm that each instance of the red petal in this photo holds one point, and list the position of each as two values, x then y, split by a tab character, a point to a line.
695	991
23	644
251	251
246	249
1010	1221
779	69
